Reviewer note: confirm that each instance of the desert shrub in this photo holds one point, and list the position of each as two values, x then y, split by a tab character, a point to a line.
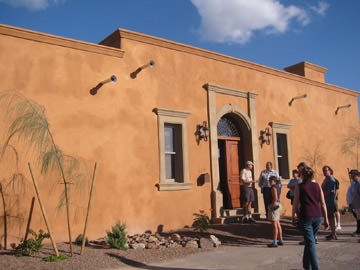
117	237
54	258
32	245
201	221
79	238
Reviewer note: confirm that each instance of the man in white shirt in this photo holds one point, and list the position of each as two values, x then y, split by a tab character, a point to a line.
265	186
246	191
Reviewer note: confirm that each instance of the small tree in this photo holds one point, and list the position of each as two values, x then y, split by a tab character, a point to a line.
28	122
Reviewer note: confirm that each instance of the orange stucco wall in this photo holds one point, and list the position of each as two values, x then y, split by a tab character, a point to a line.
117	128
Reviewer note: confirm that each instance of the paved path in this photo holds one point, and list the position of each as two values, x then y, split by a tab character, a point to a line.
343	254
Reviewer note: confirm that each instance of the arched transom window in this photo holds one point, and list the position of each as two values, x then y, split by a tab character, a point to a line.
227	128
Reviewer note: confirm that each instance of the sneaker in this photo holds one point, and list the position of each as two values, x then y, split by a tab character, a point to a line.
245	220
280	243
272	245
252	220
331	237
338	228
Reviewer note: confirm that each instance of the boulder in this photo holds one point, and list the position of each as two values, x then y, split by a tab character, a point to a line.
215	240
138	246
192	244
206	243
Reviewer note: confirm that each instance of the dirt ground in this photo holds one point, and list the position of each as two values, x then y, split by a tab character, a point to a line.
234	234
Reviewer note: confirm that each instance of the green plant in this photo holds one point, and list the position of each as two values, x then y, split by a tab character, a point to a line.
54	258
344	210
28	122
201	221
117	237
32	245
79	238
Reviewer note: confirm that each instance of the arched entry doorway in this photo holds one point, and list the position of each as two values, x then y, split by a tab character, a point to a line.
233	148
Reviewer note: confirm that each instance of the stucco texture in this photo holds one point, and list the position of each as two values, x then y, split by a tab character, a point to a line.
117	127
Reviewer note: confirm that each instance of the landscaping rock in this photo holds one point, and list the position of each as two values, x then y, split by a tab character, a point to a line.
192	244
215	240
176	237
206	243
138	246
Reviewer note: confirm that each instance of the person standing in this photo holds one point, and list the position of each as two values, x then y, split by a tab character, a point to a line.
292	183
355	202
301	166
337	212
247	192
265	186
275	211
309	204
350	191
329	188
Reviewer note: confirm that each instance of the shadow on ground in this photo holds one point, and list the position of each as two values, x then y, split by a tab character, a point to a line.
140	265
238	234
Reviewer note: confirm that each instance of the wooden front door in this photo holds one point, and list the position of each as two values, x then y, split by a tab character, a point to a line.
233	170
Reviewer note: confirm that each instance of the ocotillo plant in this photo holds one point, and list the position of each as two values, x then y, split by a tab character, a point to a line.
28	122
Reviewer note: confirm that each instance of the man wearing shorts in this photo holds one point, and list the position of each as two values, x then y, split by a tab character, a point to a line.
247	192
329	188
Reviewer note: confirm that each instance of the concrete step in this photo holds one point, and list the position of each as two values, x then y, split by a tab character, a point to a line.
231	212
234	215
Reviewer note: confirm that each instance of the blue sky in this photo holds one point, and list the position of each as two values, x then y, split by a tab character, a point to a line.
274	33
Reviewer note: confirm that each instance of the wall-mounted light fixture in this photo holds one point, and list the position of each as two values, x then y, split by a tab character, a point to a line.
292	100
136	72
265	136
341	107
202	132
94	90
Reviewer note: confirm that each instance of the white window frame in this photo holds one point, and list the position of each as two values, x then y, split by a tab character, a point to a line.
281	129
166	116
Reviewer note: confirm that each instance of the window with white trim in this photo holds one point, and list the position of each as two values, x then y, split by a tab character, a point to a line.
282	149
173	153
282	155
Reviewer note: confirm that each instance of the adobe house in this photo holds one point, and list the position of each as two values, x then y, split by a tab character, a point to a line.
171	135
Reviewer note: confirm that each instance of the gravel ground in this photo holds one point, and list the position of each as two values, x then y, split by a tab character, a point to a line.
103	258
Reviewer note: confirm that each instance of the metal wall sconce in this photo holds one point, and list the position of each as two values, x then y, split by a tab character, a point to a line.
136	72
94	90
265	136
292	100
341	107
202	132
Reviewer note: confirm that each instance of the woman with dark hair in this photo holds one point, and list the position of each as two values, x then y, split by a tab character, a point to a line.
309	204
274	212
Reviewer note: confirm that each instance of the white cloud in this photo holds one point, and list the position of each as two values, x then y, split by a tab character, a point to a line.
237	20
30	4
321	8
